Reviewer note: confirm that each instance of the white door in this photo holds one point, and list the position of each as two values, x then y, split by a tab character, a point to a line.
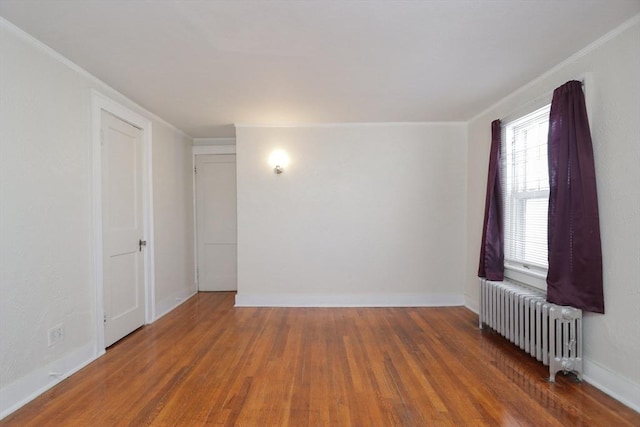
123	263
216	215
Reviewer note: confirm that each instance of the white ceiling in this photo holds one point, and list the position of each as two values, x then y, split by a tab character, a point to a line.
204	65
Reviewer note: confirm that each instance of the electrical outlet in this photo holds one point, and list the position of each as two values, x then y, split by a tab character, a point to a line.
56	334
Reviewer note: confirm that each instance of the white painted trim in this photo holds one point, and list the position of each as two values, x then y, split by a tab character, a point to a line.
171	302
148	217
43	48
587	78
213	141
96	194
604	379
347	124
348	300
100	102
528	277
213	149
20	392
588	87
528	108
471	304
611	383
198	150
195	221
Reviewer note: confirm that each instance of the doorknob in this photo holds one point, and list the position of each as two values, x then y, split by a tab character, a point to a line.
142	243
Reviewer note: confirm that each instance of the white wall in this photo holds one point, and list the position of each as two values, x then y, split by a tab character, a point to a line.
173	218
611	341
363	215
46	215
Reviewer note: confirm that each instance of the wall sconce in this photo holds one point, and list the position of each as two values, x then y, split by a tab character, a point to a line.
278	161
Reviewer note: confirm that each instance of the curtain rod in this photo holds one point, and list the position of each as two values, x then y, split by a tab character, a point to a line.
540	100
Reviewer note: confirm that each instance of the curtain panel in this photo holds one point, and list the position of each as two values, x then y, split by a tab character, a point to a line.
492	246
575	255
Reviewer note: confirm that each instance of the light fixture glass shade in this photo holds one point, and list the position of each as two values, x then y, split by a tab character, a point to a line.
278	160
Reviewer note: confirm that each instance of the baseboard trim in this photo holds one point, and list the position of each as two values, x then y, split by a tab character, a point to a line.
349	300
611	383
20	392
171	302
471	305
604	379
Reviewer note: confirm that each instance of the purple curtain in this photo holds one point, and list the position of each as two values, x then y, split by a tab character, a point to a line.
575	256
492	247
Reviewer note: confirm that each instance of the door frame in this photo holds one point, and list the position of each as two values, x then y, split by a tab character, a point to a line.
222	146
99	103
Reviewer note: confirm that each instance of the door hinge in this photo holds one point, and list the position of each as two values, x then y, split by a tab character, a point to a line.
104	318
141	244
195	170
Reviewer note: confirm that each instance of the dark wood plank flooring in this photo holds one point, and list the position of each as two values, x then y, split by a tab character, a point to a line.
208	363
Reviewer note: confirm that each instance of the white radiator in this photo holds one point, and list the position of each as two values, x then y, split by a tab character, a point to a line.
551	333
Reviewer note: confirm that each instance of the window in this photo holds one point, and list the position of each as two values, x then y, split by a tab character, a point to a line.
525	184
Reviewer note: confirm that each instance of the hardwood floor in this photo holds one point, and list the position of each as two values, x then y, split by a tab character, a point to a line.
207	363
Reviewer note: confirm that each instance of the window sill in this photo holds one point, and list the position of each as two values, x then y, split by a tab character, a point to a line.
528	277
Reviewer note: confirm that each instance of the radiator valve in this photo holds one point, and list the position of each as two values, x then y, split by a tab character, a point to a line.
569	313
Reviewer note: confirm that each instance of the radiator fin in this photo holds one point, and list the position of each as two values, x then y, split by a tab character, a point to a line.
548	332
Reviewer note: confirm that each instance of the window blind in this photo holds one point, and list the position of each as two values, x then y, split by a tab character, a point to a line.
525	184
